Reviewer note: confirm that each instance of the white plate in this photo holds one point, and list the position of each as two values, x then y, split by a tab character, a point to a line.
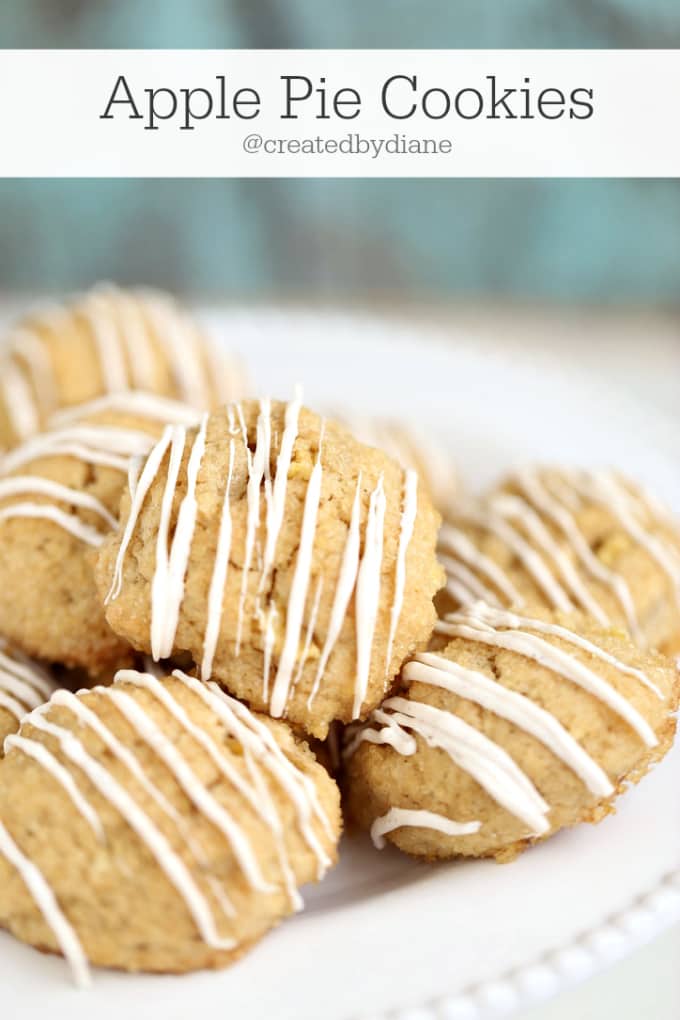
384	936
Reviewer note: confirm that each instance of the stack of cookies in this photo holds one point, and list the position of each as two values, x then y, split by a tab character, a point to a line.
215	611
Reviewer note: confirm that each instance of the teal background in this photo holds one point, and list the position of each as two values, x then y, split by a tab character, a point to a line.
600	242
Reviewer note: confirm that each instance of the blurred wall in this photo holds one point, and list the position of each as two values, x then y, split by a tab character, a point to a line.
586	241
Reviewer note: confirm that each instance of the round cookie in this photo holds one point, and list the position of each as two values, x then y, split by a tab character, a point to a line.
59	496
569	540
295	565
157	825
520	726
413	449
24	685
105	341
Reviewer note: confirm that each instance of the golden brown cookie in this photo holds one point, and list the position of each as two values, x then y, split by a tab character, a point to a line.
24	685
59	497
520	726
105	341
295	565
569	539
157	825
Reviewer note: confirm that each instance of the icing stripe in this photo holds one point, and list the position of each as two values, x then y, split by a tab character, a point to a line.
343	590
512	506
537	493
41	754
477	625
408	519
298	592
171	575
397	818
516	708
487	762
463	584
136	403
219	576
86	717
69	522
491	521
197	793
168	861
144	483
367	597
34	485
46	902
455	541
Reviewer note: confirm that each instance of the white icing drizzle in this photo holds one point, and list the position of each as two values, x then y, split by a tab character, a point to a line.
298	592
257	464
463	585
170	863
97	307
490	520
311	624
358	575
168	583
183	344
276	505
218	580
536	491
408	519
137	403
456	542
257	797
34	485
104	445
24	684
68	522
398	818
546	507
516	708
46	902
502	629
134	333
512	506
487	762
261	756
367	596
18	400
343	590
91	443
604	488
86	717
187	779
43	756
141	489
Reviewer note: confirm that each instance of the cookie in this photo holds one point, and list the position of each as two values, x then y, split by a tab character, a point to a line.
569	540
157	825
24	685
59	497
107	340
295	565
520	726
412	448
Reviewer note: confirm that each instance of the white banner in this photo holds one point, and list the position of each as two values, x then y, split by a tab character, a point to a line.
339	113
